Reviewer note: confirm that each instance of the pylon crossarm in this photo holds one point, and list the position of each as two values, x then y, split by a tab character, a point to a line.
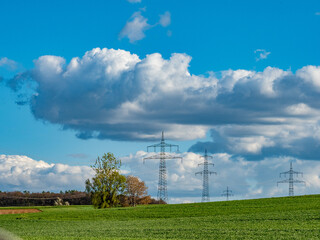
161	156
215	173
172	157
163	145
227	191
167	156
284	181
199	173
153	146
299	181
227	194
151	157
284	173
297	173
205	164
171	145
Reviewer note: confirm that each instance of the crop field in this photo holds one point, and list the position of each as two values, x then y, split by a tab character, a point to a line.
273	218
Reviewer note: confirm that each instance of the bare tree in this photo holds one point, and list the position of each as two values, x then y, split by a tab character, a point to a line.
135	189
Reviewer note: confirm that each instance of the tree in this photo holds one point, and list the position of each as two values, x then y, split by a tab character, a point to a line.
107	184
136	189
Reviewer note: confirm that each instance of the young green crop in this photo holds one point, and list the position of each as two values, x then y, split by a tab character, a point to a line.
274	218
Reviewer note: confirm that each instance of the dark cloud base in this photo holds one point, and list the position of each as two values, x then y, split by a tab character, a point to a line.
113	94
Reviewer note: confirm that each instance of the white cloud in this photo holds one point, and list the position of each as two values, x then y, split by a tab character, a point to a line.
115	85
310	74
298	138
137	25
249	145
247	179
8	63
165	19
301	109
18	173
231	77
317	13
135	28
261	54
124	97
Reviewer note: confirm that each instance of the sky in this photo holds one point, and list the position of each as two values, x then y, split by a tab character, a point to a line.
238	78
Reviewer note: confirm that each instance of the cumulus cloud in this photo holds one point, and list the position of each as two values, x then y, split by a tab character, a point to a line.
261	54
137	25
18	173
298	139
135	28
117	90
165	19
310	74
114	94
247	179
8	63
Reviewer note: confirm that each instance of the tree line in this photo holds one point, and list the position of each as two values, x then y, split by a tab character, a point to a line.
108	188
26	198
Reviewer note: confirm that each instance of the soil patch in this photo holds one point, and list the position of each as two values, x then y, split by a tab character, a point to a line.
18	211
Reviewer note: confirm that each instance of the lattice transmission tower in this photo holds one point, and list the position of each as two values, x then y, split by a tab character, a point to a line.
227	193
205	173
162	156
291	180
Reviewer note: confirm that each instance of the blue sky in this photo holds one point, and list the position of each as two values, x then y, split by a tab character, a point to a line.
236	77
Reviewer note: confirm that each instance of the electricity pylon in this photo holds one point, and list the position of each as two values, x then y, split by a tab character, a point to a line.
162	184
291	181
227	193
205	173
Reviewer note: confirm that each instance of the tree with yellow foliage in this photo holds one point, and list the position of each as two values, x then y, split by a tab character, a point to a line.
107	184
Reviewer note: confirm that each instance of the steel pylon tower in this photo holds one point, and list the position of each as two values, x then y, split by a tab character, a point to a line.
291	180
205	173
227	193
163	156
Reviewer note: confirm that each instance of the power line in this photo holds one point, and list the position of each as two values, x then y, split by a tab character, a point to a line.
227	193
291	180
205	173
162	184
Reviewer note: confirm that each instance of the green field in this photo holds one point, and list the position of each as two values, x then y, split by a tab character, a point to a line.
273	218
